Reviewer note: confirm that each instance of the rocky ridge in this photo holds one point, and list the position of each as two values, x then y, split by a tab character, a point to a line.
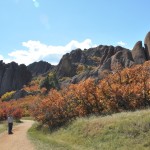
76	66
38	68
94	61
13	76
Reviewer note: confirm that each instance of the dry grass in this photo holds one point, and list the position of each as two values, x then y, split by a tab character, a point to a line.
127	130
3	126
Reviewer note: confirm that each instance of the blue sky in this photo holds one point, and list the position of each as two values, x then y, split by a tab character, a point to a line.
33	30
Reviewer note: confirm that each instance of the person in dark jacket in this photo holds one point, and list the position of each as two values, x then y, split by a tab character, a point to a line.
10	124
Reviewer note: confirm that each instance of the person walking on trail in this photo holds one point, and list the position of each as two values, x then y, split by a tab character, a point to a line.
10	124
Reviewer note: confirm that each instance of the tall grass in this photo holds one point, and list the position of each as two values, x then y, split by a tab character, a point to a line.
122	131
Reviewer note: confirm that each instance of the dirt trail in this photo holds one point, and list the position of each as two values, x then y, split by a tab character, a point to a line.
18	140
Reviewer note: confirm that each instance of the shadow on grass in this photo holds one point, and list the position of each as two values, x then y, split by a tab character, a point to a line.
18	121
45	129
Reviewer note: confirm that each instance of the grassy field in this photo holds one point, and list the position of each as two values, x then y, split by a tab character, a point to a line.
122	131
3	126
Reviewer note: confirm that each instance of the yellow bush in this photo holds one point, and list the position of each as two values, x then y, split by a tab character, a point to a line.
7	96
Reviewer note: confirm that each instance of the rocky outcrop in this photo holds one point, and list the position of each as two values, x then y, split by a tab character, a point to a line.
38	68
66	67
20	94
13	76
138	53
122	58
84	75
108	52
147	45
77	65
115	56
102	58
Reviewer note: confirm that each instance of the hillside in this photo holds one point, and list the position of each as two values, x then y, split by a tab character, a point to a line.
127	89
76	66
127	130
108	80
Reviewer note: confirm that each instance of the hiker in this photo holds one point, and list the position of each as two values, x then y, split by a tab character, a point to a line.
10	124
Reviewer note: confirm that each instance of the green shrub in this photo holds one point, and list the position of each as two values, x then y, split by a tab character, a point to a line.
50	82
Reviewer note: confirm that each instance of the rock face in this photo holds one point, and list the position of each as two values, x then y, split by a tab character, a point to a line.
13	76
38	68
122	58
102	58
147	45
138	53
116	56
67	65
77	65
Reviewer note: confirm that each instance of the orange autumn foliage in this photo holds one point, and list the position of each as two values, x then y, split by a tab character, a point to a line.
128	89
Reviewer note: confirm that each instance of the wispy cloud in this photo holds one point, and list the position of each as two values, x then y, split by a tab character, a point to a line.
121	43
36	3
44	19
35	51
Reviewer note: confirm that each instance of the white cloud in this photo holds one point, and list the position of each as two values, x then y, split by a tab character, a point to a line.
35	51
36	3
121	43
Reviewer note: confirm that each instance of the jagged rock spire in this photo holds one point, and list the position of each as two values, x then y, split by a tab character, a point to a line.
147	45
